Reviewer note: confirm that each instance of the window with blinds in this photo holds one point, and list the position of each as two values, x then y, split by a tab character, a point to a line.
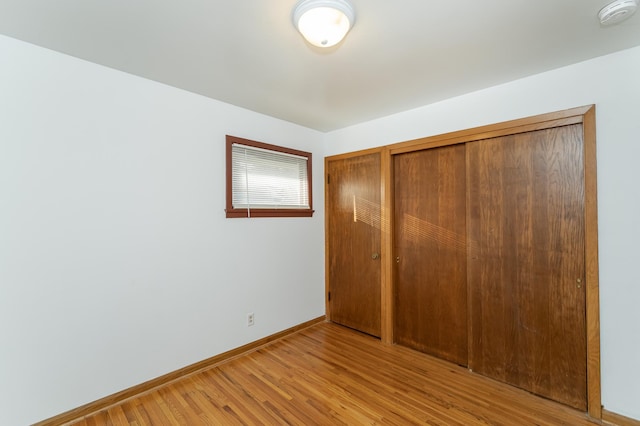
266	180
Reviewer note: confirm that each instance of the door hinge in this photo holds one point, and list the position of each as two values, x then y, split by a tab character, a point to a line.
329	296
328	179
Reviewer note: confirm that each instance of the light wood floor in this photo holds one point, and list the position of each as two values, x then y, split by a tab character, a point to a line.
326	375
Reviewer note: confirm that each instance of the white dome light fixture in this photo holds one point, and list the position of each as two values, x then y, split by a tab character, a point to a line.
617	11
324	23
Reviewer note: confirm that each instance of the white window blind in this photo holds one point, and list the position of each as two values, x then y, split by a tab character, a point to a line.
265	179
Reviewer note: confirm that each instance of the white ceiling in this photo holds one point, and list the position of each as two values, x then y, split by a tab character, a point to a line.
400	54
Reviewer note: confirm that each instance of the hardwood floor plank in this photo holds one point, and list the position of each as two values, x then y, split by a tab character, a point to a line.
329	374
117	416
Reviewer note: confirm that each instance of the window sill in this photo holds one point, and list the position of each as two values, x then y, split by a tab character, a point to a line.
268	213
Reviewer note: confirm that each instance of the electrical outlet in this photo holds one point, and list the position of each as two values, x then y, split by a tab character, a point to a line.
251	319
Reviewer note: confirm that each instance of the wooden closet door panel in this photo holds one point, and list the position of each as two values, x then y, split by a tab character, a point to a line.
353	221
429	239
526	261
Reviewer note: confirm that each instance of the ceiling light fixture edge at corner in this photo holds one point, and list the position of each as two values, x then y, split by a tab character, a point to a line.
323	23
617	11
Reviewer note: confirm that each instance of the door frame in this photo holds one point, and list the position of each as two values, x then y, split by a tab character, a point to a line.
584	115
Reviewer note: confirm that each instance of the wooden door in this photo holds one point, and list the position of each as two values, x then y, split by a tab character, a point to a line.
526	261
430	245
353	238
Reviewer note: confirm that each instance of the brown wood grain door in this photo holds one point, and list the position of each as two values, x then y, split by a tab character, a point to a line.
354	232
430	245
526	261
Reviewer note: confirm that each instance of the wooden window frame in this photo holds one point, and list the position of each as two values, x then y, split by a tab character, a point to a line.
254	212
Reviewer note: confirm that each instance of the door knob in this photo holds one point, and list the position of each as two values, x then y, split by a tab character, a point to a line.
375	256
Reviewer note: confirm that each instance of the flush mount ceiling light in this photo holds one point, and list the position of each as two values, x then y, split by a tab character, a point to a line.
324	23
617	11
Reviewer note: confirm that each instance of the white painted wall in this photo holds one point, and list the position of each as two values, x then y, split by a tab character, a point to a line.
117	264
612	83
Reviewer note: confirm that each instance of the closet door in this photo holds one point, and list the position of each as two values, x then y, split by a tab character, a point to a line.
429	242
353	238
526	261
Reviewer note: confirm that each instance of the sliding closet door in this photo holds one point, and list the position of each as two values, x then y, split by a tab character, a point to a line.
429	242
353	238
526	261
